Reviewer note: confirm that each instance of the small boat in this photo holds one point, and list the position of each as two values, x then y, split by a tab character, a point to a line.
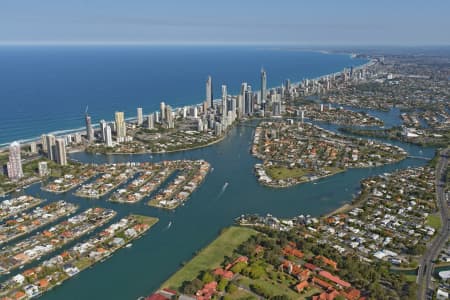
170	224
128	245
225	185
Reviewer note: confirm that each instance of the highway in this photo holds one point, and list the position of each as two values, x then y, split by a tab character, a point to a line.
424	275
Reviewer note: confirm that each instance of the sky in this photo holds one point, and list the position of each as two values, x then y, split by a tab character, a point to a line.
277	22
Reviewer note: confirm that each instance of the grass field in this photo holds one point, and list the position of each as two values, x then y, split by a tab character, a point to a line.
211	256
278	173
434	221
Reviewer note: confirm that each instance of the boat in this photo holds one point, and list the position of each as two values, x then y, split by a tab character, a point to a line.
170	224
128	245
225	185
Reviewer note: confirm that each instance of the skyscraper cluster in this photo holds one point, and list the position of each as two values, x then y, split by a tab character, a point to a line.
55	148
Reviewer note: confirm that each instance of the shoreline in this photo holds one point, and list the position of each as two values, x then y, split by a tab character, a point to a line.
61	132
157	152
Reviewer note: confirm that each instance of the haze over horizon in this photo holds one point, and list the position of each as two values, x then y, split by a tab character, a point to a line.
232	22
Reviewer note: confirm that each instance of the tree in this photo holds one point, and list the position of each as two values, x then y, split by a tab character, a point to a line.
191	287
207	277
237	268
222	284
231	288
254	271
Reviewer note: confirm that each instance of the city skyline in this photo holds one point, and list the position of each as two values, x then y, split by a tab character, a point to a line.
201	22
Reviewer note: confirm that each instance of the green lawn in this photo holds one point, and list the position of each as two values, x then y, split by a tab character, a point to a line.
434	221
211	256
277	173
146	220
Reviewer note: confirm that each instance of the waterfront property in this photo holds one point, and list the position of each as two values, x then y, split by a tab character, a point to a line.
332	279
190	177
26	222
295	152
14	206
390	220
32	248
326	113
112	176
70	180
152	176
52	272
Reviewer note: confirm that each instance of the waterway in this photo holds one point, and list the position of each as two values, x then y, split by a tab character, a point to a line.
230	190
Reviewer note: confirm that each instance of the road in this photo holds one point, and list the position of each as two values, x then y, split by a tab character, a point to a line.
425	290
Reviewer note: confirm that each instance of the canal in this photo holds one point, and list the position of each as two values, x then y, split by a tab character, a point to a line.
229	191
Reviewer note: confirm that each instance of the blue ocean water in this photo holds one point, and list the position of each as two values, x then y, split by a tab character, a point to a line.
47	88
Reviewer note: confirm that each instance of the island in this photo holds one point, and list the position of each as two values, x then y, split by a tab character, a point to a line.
294	152
189	178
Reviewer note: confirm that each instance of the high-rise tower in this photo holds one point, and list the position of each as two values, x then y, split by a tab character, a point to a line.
121	128
224	100
61	156
89	129
14	164
263	86
140	116
209	92
50	142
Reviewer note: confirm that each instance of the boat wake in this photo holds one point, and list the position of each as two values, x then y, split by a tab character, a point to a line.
222	190
168	226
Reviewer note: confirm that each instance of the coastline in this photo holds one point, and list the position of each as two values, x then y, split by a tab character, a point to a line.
61	132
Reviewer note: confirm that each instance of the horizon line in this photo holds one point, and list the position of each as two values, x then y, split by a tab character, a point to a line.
272	44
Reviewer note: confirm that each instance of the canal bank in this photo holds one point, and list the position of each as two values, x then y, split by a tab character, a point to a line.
230	190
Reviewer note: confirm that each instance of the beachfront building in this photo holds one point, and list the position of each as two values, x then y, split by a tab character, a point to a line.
61	156
162	107
224	100
108	136
50	145
89	129
121	127
209	93
140	116
151	121
103	125
169	117
14	165
263	86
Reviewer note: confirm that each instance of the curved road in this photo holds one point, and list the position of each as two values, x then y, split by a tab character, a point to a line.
425	290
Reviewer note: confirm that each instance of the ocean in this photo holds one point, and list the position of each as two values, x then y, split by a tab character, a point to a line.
47	89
